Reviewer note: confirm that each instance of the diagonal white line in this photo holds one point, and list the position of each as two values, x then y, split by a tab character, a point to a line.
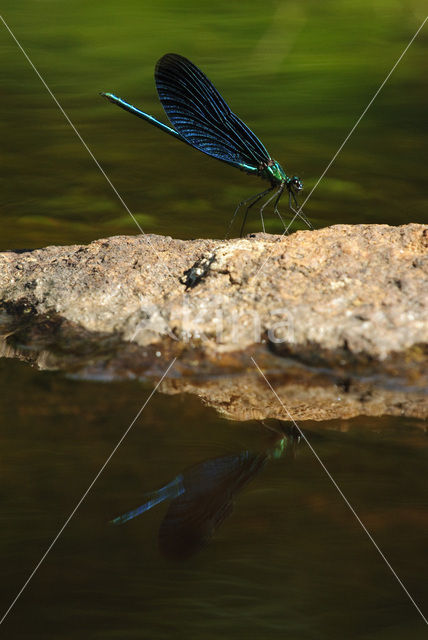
347	138
18	595
290	417
362	115
42	80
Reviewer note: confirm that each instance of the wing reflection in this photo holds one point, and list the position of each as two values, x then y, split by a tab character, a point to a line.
202	496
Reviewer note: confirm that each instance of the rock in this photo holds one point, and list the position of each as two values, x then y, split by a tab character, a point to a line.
347	296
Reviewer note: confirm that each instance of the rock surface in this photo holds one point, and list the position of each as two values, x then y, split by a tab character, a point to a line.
349	294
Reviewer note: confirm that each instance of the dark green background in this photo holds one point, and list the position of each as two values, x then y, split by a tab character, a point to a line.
291	562
298	73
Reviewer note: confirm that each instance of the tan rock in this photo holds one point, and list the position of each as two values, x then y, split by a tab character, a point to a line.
352	299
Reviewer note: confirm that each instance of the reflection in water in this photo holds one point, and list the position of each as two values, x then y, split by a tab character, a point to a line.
327	584
202	497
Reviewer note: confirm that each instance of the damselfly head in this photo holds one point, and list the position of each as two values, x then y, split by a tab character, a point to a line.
295	183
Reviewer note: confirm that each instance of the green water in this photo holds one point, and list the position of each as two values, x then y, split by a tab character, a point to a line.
299	73
291	561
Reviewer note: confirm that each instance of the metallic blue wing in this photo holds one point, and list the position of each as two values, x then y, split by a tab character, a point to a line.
163	127
201	116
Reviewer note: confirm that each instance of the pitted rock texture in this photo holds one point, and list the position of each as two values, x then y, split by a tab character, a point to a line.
353	290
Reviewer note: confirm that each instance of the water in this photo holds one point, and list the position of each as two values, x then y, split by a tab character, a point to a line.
291	560
298	75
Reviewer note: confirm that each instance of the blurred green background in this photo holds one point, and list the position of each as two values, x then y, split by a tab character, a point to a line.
298	73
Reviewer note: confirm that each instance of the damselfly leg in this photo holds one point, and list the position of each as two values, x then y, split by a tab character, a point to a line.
276	210
254	199
296	210
276	194
258	197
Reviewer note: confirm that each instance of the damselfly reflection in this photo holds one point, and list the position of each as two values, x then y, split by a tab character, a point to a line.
202	119
202	497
